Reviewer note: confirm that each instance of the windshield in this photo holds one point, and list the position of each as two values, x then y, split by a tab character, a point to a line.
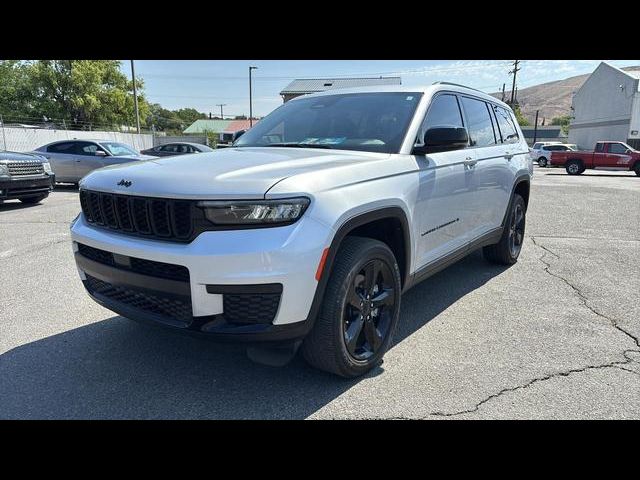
117	149
372	122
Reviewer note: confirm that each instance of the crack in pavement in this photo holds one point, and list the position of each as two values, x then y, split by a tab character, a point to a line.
582	296
618	364
36	249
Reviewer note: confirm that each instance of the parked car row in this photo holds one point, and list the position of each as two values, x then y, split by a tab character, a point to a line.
30	176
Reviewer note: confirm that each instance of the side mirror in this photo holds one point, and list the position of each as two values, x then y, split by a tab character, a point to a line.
238	134
442	139
100	153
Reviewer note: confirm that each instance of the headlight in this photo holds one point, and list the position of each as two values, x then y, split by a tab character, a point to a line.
47	168
4	170
255	212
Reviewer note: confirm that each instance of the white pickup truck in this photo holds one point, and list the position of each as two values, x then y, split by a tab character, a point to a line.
307	230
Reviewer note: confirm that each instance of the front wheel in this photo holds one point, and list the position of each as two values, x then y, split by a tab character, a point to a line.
636	168
542	162
359	312
507	250
574	167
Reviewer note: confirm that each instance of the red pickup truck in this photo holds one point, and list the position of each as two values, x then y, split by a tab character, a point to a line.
614	155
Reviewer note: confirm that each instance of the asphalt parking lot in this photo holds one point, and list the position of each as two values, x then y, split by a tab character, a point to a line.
554	336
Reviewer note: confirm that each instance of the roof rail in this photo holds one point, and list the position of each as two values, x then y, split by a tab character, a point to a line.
457	85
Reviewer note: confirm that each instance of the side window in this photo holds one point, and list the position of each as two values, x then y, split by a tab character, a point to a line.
86	148
479	122
599	147
443	112
171	148
617	148
67	147
508	129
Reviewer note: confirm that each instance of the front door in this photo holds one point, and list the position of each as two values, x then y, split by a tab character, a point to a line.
616	156
443	209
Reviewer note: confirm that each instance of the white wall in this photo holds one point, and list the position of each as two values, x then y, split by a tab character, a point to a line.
26	139
603	107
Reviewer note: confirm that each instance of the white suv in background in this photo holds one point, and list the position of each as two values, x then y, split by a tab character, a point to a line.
541	151
307	230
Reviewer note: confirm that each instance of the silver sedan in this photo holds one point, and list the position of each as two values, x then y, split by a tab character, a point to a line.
73	159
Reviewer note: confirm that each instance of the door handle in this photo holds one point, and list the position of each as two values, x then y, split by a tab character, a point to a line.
508	155
470	162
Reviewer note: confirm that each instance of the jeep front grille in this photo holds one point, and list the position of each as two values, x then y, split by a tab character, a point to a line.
153	217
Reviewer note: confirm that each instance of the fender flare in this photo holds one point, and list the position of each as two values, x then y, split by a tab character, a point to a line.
344	229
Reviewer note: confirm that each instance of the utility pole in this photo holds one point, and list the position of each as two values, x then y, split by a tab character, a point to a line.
515	73
535	128
503	86
135	97
4	137
250	98
221	105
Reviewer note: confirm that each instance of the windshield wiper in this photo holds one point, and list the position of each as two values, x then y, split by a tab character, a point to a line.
301	145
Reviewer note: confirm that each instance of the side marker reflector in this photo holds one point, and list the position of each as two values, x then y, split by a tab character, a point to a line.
323	259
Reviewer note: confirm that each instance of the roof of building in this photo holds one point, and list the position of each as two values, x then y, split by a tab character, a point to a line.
217	126
311	85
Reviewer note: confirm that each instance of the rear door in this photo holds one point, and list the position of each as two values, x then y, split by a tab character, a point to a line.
63	163
444	200
490	178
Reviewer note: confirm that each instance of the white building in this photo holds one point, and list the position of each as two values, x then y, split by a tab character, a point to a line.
607	107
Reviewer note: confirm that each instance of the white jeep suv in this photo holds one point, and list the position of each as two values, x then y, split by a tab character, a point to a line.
307	230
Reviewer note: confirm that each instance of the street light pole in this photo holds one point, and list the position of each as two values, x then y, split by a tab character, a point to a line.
250	98
135	97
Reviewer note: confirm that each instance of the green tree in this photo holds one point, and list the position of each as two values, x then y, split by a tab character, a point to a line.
86	94
15	92
564	121
519	117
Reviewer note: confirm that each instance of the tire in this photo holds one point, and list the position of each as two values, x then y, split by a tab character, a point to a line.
636	168
30	200
574	167
326	346
542	162
507	250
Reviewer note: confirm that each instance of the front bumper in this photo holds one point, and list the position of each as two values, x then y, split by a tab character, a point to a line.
20	187
222	267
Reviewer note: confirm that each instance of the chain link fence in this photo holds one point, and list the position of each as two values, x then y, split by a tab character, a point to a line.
26	134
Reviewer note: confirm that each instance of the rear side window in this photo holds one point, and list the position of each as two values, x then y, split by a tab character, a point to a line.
172	148
508	130
599	147
479	123
67	147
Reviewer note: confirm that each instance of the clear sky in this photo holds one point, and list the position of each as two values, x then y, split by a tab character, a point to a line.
201	84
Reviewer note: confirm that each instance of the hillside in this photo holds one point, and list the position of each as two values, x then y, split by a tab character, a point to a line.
553	99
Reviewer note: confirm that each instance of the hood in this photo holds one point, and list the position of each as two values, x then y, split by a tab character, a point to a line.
238	172
20	157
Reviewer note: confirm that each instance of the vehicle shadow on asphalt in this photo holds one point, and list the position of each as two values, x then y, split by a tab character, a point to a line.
117	368
11	205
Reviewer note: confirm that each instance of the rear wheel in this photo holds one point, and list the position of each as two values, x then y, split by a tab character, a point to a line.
29	200
574	167
507	250
359	312
542	162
